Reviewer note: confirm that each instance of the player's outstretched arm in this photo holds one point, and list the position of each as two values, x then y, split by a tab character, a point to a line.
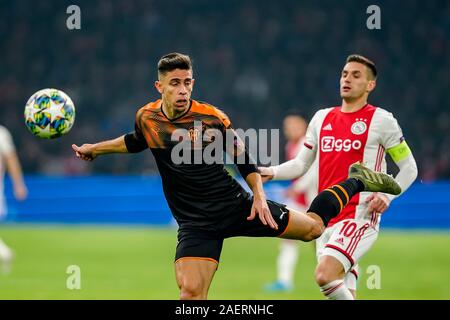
89	152
298	166
291	169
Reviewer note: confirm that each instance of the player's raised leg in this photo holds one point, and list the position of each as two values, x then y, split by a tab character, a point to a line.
194	276
330	202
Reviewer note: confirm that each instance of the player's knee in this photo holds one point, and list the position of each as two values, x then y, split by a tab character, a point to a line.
324	275
315	231
191	289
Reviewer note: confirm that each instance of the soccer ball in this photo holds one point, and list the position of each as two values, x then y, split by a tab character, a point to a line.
49	113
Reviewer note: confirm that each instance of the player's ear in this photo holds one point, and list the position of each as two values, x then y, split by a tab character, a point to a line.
158	86
371	85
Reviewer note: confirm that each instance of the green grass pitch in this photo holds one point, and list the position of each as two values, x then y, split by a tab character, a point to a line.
137	263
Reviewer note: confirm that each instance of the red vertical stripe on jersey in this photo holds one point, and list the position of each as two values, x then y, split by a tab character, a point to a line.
379	161
340	145
378	158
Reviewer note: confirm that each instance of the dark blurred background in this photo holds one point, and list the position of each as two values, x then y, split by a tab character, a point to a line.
253	59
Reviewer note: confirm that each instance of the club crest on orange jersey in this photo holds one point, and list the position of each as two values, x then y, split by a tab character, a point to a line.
194	134
359	127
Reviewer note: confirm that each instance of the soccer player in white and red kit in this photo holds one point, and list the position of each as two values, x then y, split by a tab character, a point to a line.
340	136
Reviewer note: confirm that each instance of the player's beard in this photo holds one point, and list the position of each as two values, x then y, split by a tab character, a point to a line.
352	97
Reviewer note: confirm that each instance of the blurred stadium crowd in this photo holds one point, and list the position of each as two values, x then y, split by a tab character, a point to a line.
253	59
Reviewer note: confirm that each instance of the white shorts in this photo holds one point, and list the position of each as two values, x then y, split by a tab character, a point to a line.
347	241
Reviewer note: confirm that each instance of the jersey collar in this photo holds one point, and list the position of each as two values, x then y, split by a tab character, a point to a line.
178	117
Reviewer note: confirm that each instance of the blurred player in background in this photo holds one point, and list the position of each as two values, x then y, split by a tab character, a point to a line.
339	136
208	204
298	197
10	162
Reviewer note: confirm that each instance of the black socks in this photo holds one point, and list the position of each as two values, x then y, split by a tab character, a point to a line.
330	202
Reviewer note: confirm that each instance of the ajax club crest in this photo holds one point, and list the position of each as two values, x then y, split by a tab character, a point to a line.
359	127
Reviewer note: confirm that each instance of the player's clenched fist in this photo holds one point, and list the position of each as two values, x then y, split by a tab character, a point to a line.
377	203
85	152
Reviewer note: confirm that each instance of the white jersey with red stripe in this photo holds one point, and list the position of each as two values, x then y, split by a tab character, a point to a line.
342	139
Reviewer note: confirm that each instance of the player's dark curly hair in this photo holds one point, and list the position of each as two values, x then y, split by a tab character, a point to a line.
174	61
363	60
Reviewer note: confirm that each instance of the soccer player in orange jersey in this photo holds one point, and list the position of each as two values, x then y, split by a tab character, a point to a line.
208	204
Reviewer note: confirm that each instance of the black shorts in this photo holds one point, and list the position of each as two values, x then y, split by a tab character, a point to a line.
206	243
